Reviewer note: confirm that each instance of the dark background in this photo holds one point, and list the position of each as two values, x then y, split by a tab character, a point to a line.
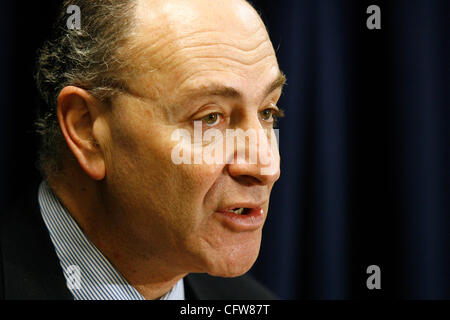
364	145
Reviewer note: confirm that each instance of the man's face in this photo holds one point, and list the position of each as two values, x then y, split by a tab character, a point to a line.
210	61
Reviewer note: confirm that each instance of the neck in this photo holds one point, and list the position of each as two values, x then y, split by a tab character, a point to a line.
83	198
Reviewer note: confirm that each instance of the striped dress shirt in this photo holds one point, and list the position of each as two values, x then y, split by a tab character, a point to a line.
89	275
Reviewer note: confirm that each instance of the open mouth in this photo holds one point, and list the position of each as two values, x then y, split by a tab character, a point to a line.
242	218
240	211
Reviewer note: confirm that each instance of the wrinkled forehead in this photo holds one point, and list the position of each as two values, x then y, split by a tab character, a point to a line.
179	37
165	26
184	45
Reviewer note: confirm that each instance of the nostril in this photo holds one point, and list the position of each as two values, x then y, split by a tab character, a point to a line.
248	180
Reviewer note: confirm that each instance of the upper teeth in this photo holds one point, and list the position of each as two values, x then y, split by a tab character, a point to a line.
237	211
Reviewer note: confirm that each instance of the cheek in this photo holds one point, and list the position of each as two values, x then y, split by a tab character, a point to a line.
184	160
142	160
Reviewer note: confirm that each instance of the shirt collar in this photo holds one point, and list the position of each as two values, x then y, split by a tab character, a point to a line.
89	275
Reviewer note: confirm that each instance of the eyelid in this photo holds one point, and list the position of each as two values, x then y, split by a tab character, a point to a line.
208	109
221	119
274	106
279	112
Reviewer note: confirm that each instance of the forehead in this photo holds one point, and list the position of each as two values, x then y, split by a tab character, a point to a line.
179	44
189	15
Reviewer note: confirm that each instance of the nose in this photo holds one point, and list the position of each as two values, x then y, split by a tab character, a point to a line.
255	156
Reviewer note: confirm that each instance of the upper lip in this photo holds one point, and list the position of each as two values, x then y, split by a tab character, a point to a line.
251	205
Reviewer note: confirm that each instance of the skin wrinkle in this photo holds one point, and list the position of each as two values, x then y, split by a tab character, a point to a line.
190	76
150	105
224	44
169	62
173	66
199	46
156	46
184	46
161	33
228	59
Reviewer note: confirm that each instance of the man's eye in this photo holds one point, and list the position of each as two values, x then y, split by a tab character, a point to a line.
212	119
271	115
267	114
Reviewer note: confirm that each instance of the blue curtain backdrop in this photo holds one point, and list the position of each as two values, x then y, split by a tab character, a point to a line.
364	145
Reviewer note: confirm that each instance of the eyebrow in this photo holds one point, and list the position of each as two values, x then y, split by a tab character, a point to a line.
215	89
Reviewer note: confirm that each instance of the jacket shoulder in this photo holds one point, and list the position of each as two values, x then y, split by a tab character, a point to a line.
29	267
205	287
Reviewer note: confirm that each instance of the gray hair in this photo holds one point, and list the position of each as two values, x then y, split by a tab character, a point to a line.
87	58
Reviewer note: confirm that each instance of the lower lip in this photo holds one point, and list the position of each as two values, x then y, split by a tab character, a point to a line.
240	222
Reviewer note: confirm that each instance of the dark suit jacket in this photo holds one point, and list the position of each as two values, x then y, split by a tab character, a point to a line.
30	269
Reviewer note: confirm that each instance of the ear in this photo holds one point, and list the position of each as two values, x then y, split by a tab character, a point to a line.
77	111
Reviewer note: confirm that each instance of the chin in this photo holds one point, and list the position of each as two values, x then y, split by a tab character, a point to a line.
230	270
233	262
